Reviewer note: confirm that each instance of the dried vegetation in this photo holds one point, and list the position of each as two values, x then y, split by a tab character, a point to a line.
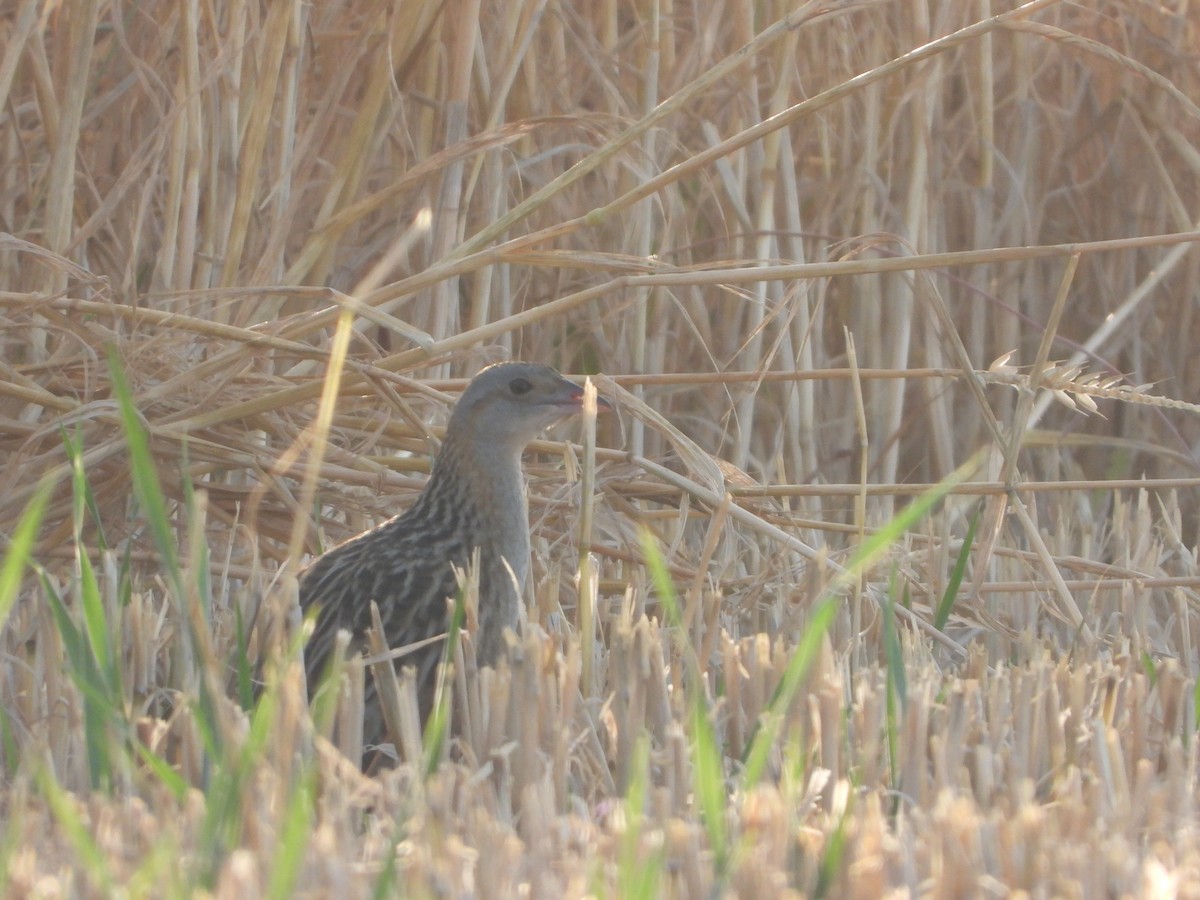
865	613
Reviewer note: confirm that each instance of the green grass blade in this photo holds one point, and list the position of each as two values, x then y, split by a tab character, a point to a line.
85	497
20	549
152	500
707	757
946	606
297	830
385	883
97	705
224	820
242	667
164	771
897	678
831	858
10	750
709	782
95	621
896	688
767	728
162	872
1149	667
878	542
88	854
146	485
437	728
639	878
663	586
324	699
99	673
1196	705
803	656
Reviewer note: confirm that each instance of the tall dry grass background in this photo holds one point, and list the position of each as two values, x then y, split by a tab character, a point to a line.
797	240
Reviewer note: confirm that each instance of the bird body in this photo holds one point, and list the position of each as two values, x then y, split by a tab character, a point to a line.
474	501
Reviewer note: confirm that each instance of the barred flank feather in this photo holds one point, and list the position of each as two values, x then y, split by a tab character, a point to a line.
475	498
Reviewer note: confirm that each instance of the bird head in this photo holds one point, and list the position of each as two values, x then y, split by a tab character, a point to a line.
509	404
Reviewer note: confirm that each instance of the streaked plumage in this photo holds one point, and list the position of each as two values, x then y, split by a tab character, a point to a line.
475	498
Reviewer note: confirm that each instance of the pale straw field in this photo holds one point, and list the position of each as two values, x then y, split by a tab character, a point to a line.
881	581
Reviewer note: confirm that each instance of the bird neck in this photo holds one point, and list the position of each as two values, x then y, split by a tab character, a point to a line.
486	478
477	467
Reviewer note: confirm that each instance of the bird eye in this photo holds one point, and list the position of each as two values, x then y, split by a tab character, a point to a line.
520	386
